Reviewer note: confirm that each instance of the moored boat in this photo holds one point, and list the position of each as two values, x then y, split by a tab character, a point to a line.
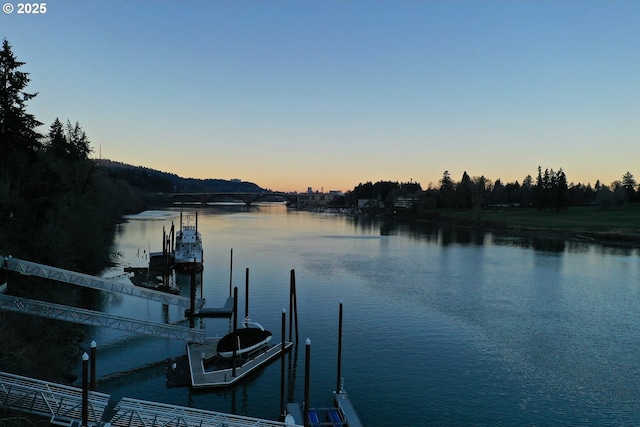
246	340
187	254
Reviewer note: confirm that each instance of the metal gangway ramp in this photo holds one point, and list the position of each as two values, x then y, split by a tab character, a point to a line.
39	270
96	318
62	403
140	413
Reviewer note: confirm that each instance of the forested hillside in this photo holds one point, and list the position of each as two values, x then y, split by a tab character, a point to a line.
153	181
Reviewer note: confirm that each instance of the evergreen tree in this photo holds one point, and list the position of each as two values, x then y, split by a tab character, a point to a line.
478	195
57	144
498	193
78	141
464	192
447	191
539	191
525	194
629	183
17	127
560	190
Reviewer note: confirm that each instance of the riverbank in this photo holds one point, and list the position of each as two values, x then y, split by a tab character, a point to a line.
619	227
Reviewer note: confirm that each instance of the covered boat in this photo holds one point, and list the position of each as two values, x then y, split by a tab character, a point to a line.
187	254
246	340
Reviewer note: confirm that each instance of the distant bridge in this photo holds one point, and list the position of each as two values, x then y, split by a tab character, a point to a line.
246	197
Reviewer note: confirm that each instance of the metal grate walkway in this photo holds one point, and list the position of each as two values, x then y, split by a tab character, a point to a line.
64	405
139	413
39	270
96	318
49	399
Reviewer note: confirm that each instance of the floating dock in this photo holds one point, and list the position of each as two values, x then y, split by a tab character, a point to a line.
342	414
197	354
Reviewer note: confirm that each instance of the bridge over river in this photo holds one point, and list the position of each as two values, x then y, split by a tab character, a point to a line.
228	196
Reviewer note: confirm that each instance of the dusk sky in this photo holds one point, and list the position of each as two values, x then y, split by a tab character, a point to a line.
328	94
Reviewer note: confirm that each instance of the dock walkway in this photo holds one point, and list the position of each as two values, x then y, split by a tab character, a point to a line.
63	404
96	318
53	273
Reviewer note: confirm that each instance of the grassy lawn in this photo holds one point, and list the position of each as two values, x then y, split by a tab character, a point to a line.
625	220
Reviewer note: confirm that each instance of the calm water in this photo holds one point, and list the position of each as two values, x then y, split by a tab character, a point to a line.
442	326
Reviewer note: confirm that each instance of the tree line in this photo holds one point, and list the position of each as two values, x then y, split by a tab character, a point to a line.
550	190
57	206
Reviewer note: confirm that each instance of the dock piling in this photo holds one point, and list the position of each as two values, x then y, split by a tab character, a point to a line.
235	330
307	371
230	273
85	390
246	294
192	299
93	360
339	380
284	322
293	305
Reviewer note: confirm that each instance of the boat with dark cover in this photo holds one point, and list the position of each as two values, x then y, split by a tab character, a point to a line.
247	339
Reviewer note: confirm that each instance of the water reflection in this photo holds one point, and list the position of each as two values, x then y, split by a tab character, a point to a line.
492	329
446	235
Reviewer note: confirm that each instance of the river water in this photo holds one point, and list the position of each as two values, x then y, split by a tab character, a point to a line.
442	326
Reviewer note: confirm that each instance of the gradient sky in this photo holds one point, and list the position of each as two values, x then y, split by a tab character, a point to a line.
328	94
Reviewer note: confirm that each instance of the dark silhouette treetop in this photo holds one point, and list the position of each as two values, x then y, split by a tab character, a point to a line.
17	127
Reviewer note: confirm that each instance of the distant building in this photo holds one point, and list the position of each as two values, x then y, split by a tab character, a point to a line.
317	199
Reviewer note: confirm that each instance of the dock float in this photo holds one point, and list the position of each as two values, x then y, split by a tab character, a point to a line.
342	415
201	378
346	409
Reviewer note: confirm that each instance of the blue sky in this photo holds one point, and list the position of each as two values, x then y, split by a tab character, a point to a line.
328	94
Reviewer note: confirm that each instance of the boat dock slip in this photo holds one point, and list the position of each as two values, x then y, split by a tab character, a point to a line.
200	378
